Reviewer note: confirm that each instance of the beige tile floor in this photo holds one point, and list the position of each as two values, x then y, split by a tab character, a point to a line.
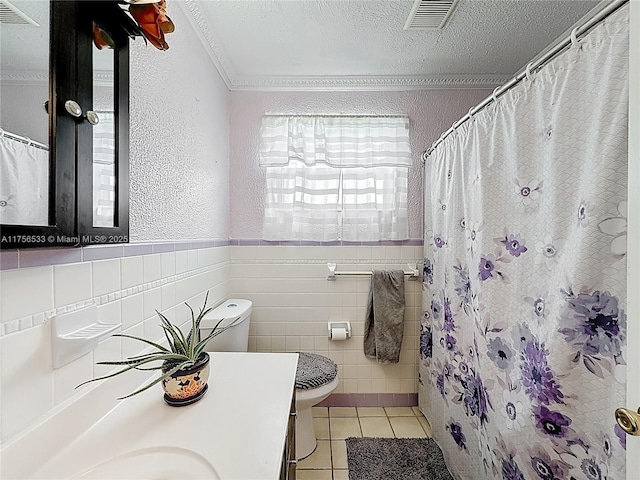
334	424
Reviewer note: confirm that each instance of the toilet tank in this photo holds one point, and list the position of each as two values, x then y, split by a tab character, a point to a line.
236	338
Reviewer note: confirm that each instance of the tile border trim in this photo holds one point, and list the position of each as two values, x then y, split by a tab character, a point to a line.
41	257
40	318
400	263
370	400
257	242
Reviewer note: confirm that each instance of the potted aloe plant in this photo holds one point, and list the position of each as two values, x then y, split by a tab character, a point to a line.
183	363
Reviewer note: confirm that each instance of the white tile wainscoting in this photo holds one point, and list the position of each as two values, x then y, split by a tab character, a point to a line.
292	302
127	289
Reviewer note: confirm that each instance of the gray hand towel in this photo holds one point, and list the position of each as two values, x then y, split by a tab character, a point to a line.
384	324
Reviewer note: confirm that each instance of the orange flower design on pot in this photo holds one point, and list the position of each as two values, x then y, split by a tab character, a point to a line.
188	385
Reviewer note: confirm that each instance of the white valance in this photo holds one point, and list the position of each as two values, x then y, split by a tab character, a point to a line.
343	142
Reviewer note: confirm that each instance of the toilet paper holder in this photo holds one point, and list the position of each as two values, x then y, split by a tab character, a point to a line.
338	327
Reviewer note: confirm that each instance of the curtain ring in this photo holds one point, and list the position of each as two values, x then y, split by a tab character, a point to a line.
1	132
574	38
470	114
29	141
495	94
527	72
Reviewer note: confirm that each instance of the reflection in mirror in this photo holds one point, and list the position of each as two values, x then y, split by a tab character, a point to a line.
104	138
24	123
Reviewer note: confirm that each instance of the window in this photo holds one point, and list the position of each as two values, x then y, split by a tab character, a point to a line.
335	178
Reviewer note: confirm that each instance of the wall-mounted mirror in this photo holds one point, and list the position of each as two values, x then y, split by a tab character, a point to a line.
64	169
24	89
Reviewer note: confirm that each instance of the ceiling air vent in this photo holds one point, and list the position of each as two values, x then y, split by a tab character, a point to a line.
427	14
10	14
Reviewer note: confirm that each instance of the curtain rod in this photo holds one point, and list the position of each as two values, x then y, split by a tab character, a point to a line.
21	139
333	116
531	67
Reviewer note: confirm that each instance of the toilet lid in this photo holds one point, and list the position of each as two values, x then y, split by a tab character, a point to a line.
314	370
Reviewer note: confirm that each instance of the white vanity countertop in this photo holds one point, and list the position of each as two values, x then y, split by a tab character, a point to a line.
239	426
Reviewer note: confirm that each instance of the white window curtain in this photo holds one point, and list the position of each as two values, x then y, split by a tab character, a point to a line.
374	204
302	203
336	178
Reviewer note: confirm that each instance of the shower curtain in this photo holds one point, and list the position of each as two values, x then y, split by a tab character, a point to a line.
24	183
523	334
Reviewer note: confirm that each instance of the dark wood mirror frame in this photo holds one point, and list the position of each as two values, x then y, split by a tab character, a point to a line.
70	139
110	17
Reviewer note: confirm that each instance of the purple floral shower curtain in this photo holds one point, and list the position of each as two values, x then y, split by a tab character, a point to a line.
523	335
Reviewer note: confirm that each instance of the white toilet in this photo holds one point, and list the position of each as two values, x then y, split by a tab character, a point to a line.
236	339
316	376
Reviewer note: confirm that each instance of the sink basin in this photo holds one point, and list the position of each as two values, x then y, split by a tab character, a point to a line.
153	463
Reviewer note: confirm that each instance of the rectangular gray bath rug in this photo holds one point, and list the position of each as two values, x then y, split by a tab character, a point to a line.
395	459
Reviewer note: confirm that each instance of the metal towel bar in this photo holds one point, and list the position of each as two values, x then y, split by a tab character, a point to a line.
413	272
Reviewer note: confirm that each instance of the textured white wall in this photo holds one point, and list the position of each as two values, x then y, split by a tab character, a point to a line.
430	111
179	140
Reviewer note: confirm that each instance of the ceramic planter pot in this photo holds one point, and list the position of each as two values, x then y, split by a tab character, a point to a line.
188	385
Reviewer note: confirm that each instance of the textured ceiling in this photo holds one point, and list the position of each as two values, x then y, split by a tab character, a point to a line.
333	43
341	44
